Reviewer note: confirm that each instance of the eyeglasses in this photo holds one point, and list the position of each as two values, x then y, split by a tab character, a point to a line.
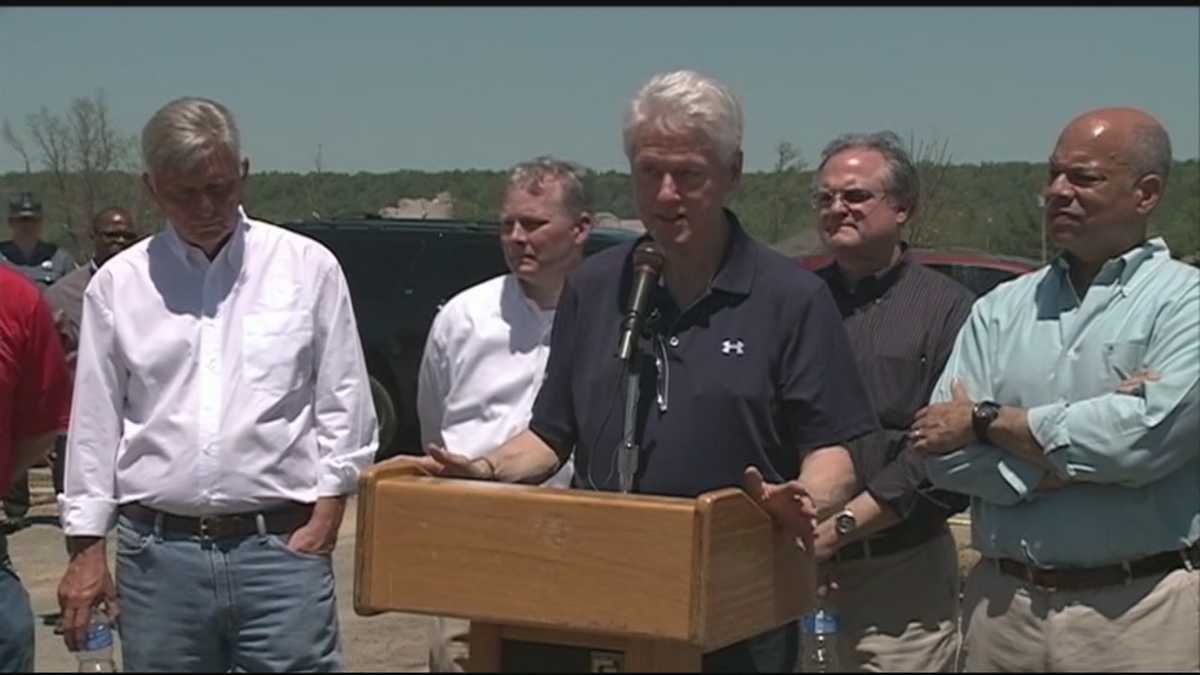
823	199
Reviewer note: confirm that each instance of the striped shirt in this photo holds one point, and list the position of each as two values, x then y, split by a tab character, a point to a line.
902	322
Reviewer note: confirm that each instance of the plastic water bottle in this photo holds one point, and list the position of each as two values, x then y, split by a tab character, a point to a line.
819	641
96	653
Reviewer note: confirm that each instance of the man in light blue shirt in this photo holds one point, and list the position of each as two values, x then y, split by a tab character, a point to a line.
1069	412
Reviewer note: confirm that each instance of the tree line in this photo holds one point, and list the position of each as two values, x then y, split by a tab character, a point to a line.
79	162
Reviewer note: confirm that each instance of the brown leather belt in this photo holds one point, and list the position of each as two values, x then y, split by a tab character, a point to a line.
278	521
1076	579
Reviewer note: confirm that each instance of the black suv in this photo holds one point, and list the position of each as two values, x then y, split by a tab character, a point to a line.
400	272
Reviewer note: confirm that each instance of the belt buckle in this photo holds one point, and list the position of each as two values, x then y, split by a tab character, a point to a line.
215	527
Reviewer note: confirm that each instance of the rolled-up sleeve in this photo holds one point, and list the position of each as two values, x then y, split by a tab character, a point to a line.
346	425
979	470
87	506
1119	438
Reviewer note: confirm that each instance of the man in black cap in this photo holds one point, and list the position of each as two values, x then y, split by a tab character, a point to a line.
43	263
40	261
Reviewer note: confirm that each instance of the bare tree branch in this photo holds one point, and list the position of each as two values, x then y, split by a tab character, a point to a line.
18	146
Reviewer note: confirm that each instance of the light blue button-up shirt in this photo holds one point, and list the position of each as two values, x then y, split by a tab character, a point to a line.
1133	459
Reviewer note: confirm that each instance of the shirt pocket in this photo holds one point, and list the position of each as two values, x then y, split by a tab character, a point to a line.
898	384
277	351
1123	358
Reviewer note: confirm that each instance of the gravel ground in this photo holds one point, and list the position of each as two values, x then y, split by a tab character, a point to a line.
392	642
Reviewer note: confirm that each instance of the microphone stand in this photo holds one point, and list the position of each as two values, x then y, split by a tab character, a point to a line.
630	449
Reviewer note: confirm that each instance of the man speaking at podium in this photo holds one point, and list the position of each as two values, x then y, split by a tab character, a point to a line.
737	369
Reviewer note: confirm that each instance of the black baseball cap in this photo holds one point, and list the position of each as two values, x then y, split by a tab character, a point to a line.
24	205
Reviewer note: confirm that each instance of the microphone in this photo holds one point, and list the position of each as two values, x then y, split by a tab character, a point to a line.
647	263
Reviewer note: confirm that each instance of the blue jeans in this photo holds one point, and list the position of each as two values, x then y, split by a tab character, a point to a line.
219	605
16	618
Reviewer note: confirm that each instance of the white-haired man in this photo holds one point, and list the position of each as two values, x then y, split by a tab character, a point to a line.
488	345
222	418
754	383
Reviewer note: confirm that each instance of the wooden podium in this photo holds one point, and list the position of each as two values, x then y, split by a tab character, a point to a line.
566	580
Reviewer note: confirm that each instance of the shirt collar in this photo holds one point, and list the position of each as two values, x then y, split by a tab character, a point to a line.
736	273
515	287
874	284
1119	269
230	254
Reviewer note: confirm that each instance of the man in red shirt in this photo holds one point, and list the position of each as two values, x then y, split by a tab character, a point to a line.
35	398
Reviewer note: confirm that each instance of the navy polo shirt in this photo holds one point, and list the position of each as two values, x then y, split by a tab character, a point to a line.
756	372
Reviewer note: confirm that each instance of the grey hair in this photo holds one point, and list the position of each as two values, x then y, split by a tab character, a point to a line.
1150	151
901	184
185	132
531	176
686	101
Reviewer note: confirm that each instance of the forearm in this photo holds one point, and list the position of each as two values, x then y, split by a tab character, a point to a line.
985	472
1010	431
870	515
86	547
525	458
829	477
328	512
29	450
1121	439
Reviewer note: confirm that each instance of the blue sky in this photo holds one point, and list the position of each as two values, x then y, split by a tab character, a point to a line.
388	88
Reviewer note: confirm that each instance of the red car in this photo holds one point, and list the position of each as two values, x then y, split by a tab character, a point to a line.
980	272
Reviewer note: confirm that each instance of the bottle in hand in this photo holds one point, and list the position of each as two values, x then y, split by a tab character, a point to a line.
95	655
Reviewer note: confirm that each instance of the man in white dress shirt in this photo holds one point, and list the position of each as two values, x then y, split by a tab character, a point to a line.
222	416
486	353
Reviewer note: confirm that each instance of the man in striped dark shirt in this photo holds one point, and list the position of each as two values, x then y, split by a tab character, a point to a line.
889	551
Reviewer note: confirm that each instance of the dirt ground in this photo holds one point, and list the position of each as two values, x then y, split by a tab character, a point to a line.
391	642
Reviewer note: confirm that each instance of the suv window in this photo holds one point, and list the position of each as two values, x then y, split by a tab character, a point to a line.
399	273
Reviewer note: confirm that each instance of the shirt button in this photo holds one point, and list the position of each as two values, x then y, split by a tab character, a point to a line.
674	341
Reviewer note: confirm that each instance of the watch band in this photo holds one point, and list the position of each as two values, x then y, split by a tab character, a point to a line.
983	414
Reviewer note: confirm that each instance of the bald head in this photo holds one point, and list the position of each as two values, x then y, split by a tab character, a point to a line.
1107	174
1128	135
112	231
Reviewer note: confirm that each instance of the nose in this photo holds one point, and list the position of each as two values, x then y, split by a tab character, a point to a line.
1058	186
205	204
667	190
517	234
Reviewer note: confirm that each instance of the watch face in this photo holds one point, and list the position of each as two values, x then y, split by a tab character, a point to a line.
845	523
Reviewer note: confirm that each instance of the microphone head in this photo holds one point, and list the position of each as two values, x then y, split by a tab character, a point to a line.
648	256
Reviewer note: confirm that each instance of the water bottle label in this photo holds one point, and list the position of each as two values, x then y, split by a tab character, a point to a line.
98	637
820	622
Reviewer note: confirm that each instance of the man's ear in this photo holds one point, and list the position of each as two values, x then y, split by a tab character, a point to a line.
583	225
735	169
1149	191
245	167
148	184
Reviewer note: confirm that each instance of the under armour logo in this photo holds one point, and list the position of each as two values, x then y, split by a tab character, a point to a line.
733	347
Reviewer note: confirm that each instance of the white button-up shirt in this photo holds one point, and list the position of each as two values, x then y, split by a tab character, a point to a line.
206	388
483	365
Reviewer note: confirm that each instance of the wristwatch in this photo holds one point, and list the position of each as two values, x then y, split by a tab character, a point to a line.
845	522
982	416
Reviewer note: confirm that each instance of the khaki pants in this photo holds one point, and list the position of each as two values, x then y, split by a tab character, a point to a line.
448	644
899	612
1151	624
